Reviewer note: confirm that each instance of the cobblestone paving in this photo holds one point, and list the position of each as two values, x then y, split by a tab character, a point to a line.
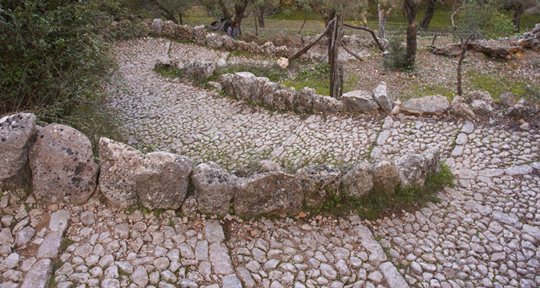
172	115
484	232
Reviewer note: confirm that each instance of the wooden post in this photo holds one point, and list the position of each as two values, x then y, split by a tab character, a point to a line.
336	76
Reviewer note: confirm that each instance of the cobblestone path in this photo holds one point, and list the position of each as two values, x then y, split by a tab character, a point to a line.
484	232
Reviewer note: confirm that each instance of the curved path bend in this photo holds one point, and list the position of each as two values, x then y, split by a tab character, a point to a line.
484	232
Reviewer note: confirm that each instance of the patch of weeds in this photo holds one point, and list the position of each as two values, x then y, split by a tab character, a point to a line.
318	78
168	71
315	77
376	205
272	73
240	53
498	85
66	242
417	90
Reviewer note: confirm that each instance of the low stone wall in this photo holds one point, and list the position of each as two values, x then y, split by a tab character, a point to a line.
200	36
260	90
63	169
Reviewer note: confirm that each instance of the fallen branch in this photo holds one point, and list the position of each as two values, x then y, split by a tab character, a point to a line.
454	50
307	47
368	30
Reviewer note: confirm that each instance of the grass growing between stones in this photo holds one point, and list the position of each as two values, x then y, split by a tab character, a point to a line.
168	71
377	205
497	85
317	78
418	90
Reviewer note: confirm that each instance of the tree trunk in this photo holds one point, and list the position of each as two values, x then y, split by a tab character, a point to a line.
430	10
255	23
410	8
336	71
382	21
261	17
459	65
518	11
226	14
239	10
181	18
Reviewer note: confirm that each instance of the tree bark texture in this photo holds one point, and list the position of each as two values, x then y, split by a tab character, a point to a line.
336	77
410	7
430	11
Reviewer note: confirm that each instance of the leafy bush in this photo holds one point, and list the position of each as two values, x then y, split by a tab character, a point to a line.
395	58
483	21
53	55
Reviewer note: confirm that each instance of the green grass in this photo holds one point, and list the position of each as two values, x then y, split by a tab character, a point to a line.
418	90
497	85
169	72
376	205
317	78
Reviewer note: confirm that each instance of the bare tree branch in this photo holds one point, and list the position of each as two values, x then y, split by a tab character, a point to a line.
307	47
350	52
381	47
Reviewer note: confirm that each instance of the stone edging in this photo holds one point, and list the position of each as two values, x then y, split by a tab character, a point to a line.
63	169
199	36
246	86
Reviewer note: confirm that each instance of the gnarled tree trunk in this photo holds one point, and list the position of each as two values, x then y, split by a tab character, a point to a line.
261	16
410	7
430	10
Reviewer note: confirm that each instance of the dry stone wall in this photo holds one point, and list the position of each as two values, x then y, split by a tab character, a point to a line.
200	36
64	170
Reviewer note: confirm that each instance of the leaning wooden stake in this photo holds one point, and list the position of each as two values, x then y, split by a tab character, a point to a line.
307	47
336	85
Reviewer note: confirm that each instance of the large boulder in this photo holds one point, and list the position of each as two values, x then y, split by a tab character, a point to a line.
269	48
414	168
284	99
318	182
228	42
184	32
16	135
359	101
326	104
304	100
162	181
63	166
522	109
381	96
411	170
358	181
214	188
268	193
200	70
169	28
461	109
156	26
244	85
385	177
508	99
118	174
479	95
427	105
214	41
481	108
199	35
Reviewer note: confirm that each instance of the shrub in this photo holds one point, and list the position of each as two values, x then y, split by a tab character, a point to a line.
53	56
483	21
396	56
